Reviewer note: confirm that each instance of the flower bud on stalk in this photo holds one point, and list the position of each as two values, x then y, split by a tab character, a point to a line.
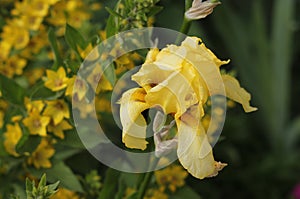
200	9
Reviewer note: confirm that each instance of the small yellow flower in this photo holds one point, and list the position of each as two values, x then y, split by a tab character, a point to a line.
38	8
59	129
102	104
32	106
155	194
76	86
56	80
171	177
32	22
65	194
12	136
36	123
5	49
16	34
16	64
34	74
40	157
85	52
57	110
98	80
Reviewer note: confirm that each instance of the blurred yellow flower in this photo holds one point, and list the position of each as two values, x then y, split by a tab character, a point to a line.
32	106
56	80
76	86
98	80
57	110
12	136
155	194
15	64
32	22
1	118
171	177
102	104
36	123
59	129
34	74
181	91
65	194
15	34
5	49
37	8
40	157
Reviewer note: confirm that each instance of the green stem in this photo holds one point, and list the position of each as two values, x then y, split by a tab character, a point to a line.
186	24
146	180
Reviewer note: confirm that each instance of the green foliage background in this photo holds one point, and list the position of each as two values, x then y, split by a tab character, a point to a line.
263	148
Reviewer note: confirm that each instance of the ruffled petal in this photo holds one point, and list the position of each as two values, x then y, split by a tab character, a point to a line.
235	92
148	74
175	94
132	105
194	151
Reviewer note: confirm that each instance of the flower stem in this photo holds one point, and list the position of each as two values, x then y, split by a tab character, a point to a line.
186	24
146	180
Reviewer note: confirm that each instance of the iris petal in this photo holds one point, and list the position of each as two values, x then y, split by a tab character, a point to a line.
132	105
235	92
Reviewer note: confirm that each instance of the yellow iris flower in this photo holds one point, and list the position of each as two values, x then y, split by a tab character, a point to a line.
171	79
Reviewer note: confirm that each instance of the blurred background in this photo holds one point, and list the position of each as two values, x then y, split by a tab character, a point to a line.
262	149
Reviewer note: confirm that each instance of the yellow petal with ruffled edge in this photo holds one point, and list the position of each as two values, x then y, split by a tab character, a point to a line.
235	92
132	104
197	51
175	94
194	151
148	74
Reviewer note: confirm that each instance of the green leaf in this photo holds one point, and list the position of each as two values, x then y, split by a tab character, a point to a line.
11	91
29	186
293	133
110	74
111	26
185	192
53	43
28	143
282	45
126	180
155	10
74	38
62	173
113	13
53	187
110	184
40	92
73	65
42	182
71	140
